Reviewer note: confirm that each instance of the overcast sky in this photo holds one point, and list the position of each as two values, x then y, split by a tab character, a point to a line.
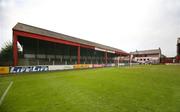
125	24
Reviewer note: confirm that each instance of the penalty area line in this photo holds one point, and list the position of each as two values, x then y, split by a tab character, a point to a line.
5	92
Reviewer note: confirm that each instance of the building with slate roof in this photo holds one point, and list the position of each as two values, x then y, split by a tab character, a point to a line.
151	56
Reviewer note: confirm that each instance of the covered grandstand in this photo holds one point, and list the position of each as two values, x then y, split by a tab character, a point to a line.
44	47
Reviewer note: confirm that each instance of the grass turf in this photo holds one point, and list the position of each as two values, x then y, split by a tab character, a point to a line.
127	89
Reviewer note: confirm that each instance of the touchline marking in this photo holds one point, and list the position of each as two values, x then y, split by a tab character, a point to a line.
5	92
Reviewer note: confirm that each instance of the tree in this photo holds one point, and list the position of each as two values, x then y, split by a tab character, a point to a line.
6	54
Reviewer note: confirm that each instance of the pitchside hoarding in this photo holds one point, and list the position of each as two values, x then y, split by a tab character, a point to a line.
42	68
79	66
4	70
60	67
110	65
98	65
22	69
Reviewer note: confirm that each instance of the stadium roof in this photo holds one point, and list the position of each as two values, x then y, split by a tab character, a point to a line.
40	31
151	51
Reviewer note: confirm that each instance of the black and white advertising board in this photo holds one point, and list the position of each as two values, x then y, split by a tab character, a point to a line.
22	69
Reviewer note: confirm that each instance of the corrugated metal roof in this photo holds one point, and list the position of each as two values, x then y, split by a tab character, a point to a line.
40	31
151	51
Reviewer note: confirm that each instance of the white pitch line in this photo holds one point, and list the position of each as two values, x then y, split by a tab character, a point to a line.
5	92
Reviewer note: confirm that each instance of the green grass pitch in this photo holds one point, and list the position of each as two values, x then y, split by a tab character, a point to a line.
127	89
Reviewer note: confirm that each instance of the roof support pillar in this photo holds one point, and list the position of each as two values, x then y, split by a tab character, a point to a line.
130	60
105	57
78	55
15	50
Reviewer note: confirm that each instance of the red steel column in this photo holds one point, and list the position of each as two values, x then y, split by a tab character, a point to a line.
79	55
15	50
129	59
106	57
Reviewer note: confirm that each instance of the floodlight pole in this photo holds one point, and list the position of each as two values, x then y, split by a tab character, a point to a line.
15	50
